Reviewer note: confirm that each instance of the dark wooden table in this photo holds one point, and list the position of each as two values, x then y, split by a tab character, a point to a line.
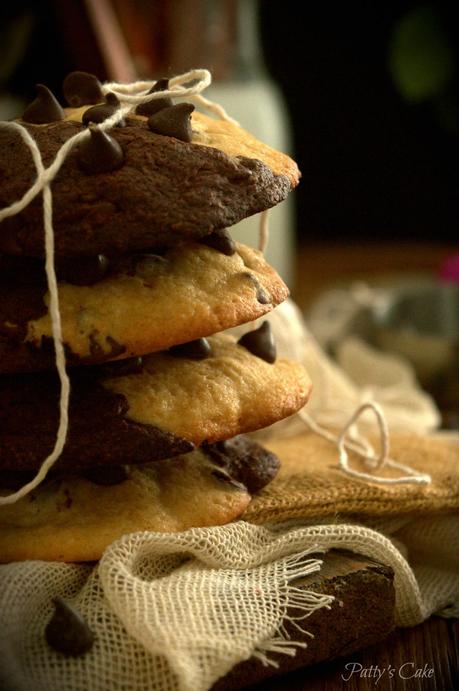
429	650
421	658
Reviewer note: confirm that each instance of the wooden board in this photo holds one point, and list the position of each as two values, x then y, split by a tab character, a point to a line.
361	615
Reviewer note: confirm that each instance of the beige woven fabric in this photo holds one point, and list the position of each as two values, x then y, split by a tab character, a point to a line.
310	484
169	610
176	611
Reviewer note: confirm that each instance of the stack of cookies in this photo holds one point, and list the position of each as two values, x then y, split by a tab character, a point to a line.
148	274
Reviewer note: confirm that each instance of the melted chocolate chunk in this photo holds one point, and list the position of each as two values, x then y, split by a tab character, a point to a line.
100	153
85	271
173	122
221	241
44	108
194	350
67	631
108	475
121	368
101	112
158	103
260	342
82	88
243	461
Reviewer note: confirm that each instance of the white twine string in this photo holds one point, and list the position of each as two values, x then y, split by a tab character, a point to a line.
357	443
362	448
263	231
131	95
55	320
263	237
137	92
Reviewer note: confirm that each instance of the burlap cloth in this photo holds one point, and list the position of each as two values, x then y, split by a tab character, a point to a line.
178	611
310	484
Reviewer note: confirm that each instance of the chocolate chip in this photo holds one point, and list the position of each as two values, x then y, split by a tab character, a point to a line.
217	452
224	477
82	88
174	121
107	475
221	241
244	461
262	296
260	342
94	347
121	368
112	100
101	112
157	103
44	108
195	350
100	153
84	271
67	631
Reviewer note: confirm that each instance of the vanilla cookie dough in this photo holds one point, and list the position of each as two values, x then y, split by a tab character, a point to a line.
70	518
163	406
230	392
162	189
148	304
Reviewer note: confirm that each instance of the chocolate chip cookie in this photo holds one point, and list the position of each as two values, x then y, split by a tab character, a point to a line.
143	303
160	407
133	189
72	518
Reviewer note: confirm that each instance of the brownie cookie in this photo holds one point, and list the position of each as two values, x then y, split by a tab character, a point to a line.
148	303
163	406
164	190
71	518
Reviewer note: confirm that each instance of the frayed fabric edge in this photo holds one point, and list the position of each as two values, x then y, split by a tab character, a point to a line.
291	597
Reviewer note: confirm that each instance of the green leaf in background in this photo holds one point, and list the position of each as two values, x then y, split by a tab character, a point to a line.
421	59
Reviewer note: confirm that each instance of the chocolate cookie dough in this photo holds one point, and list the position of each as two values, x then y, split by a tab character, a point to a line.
164	191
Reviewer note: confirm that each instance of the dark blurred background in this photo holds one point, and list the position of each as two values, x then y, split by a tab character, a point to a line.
371	87
373	95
